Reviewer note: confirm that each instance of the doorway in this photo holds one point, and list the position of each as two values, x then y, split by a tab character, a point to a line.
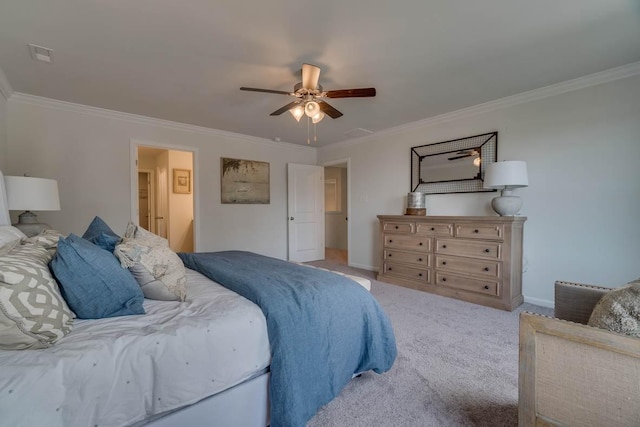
162	206
336	181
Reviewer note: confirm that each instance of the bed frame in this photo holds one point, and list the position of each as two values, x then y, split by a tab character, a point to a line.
245	405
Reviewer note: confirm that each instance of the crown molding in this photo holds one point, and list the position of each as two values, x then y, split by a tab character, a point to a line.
601	77
5	88
24	98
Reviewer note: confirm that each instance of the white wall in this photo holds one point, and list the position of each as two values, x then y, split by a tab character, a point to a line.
583	201
335	226
88	151
180	206
3	132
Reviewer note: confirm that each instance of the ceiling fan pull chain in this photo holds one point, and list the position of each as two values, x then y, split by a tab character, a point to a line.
308	139
315	138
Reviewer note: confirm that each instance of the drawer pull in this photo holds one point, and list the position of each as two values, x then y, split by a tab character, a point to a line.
486	286
419	274
419	259
485	269
475	231
433	229
444	246
420	244
487	250
444	262
444	279
389	255
389	268
390	241
396	227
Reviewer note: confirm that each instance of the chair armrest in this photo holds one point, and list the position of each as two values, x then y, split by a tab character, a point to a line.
576	375
575	301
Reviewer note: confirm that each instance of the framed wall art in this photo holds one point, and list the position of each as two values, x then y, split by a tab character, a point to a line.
182	181
244	181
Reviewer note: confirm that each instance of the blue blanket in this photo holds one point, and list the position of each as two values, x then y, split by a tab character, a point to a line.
323	327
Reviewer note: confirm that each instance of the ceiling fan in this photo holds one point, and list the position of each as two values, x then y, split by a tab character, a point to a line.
464	153
310	96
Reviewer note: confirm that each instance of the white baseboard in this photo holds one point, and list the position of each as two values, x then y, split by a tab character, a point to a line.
363	267
539	301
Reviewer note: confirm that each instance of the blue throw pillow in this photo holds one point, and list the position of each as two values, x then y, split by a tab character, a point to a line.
101	234
92	281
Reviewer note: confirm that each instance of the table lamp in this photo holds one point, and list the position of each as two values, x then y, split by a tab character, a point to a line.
506	176
28	193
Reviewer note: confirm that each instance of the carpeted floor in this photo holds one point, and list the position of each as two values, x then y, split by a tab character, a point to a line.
457	365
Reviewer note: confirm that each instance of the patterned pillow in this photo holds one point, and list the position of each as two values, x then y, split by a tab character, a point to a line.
157	269
619	310
33	313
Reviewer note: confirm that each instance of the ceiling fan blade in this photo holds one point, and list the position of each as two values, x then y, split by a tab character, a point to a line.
285	108
352	93
329	110
310	76
253	89
461	157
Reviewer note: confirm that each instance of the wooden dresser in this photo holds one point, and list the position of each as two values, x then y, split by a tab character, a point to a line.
473	258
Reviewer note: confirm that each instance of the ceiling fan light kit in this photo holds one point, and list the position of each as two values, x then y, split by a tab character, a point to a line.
311	96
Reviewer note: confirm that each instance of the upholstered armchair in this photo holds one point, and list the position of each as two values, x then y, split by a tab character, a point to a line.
572	374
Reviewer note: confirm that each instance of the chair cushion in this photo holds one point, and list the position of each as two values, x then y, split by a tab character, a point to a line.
92	281
33	313
619	310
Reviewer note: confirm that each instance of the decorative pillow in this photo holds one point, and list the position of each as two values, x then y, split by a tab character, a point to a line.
92	282
48	239
136	232
101	234
33	313
157	269
9	233
619	310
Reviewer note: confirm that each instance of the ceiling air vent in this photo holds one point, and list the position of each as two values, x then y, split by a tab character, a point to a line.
41	53
358	132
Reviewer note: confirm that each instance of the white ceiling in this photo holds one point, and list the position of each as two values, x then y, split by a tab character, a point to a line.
185	60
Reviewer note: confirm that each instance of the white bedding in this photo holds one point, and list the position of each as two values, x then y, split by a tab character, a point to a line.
119	371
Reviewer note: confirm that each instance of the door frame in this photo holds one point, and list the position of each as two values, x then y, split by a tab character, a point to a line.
152	197
195	181
348	162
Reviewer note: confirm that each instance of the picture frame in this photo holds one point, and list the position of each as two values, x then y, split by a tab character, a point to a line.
182	181
244	181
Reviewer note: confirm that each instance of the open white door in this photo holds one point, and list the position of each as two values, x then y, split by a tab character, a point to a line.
306	212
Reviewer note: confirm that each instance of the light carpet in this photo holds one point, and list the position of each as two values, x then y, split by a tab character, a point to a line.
457	364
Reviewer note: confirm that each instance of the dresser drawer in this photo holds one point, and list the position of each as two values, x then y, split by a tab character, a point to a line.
488	268
489	287
409	242
416	258
418	274
480	231
398	227
488	250
435	229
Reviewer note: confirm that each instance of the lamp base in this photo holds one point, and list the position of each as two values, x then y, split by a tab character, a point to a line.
29	225
506	204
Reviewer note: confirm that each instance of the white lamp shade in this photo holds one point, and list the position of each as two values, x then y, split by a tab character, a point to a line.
26	193
507	174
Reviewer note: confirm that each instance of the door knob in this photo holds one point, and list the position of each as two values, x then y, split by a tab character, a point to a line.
291	218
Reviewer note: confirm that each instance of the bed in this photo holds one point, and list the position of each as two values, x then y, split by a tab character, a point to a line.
205	361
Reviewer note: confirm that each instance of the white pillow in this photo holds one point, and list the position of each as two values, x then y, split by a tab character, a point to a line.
9	233
157	269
